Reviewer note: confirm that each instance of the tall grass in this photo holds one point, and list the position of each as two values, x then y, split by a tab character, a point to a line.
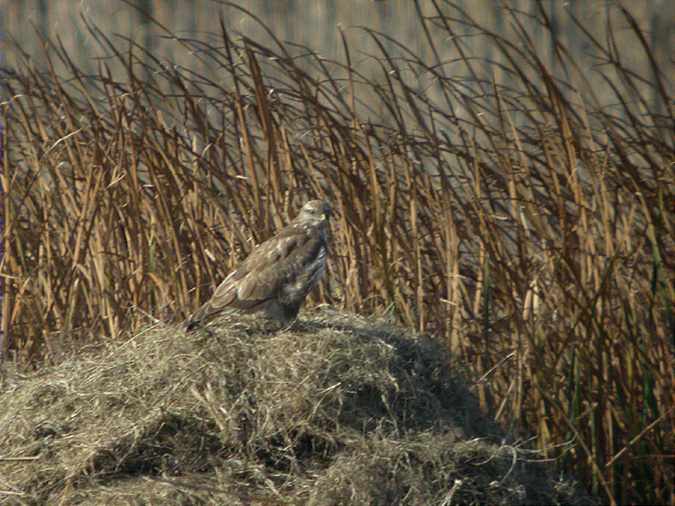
515	218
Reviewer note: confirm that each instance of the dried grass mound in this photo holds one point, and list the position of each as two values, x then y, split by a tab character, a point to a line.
338	410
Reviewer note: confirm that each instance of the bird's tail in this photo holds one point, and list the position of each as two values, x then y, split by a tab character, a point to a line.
191	324
222	298
195	320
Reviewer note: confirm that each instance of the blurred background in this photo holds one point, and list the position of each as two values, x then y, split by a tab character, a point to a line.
317	24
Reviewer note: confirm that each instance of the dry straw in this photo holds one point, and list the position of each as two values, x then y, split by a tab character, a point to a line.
352	411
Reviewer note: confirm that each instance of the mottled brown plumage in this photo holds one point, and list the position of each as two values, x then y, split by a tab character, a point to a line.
277	276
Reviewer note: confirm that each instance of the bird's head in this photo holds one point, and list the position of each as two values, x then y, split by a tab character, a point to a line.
315	211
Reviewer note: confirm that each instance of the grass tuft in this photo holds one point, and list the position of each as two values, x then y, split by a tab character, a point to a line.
353	411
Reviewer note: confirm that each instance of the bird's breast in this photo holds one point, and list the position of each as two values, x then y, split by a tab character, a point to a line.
317	266
310	275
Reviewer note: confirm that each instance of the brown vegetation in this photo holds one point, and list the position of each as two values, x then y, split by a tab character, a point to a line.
524	225
352	412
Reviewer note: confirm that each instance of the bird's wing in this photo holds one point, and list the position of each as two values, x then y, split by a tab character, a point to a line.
261	276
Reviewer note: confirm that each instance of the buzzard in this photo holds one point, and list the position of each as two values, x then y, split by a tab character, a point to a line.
277	276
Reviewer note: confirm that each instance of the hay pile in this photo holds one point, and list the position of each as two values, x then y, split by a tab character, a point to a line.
339	410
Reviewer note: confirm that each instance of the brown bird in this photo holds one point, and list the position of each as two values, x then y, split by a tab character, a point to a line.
277	276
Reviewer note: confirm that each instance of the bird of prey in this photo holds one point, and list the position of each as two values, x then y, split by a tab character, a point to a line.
277	276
